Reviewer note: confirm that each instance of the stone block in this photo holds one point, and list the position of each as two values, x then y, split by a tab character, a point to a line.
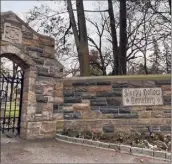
68	93
88	95
168	155
39	90
94	89
125	116
124	110
50	62
98	101
48	51
157	114
96	143
60	124
159	154
91	114
166	93
104	145
58	100
103	83
160	121
120	85
167	100
139	108
72	139
80	89
48	127
58	116
47	115
136	150
87	142
58	93
72	99
30	118
86	101
107	116
114	146
148	152
144	114
81	107
78	94
58	135
63	137
39	61
34	125
79	140
166	87
101	103
109	94
30	97
109	109
31	109
58	86
42	71
41	98
48	91
72	116
162	82
125	148
113	101
35	49
165	128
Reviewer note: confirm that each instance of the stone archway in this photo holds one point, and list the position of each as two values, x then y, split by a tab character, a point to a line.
35	53
30	72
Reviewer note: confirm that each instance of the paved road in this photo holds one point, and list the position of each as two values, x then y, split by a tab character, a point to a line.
15	150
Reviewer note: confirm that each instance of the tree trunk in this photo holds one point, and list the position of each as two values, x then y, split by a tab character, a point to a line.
75	32
123	37
83	37
114	39
169	1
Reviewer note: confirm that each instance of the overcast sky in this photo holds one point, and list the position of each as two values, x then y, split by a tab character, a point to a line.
20	7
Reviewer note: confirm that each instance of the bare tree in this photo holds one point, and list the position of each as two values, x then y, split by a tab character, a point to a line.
83	38
123	37
97	44
114	39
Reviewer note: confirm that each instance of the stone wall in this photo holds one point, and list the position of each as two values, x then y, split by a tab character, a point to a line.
35	54
95	104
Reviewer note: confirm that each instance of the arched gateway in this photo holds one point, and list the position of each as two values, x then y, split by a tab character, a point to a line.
32	115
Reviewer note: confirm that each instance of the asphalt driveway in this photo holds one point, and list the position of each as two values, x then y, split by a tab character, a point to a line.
16	150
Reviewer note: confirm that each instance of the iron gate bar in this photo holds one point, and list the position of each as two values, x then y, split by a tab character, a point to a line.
21	98
5	103
9	97
15	108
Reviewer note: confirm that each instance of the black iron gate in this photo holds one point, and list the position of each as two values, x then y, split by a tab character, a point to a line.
11	88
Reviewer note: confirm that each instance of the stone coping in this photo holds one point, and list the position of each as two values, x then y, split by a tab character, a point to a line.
162	155
124	77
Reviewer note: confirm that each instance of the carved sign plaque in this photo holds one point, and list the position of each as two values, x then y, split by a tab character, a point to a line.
142	96
12	34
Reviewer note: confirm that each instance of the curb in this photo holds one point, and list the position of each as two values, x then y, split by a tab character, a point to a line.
162	155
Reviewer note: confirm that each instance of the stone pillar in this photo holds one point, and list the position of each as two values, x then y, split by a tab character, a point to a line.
35	54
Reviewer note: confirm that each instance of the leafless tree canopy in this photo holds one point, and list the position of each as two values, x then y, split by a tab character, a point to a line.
111	38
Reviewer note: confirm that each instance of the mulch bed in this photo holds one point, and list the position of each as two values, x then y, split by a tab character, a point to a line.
155	141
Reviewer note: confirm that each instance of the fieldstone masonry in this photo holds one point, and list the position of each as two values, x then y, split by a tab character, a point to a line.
34	53
95	104
51	104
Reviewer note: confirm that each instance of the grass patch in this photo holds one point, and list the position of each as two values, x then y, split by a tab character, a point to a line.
14	110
